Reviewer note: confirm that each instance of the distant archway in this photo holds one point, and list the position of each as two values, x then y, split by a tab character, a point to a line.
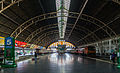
54	45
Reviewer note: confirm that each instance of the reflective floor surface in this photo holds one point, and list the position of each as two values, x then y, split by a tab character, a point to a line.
66	63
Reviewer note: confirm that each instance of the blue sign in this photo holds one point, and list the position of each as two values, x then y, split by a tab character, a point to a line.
8	42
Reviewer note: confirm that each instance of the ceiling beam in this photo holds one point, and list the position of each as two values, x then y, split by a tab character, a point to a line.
78	18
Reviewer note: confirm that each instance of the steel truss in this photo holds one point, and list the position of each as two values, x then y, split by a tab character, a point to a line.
47	27
116	1
5	4
84	17
43	37
47	40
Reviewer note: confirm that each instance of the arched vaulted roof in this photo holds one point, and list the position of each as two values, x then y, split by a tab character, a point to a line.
35	21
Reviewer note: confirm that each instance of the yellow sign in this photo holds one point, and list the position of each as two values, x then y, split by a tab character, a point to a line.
2	40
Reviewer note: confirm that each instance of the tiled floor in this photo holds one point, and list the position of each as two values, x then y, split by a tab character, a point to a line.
66	63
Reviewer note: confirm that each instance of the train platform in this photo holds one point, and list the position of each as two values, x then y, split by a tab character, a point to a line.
65	63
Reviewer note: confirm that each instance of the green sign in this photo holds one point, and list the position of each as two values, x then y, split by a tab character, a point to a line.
9	53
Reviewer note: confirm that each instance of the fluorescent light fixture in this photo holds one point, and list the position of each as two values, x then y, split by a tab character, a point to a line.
62	7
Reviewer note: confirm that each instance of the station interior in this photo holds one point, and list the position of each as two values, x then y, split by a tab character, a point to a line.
59	36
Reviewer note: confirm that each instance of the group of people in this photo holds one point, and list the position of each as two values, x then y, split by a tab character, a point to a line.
114	57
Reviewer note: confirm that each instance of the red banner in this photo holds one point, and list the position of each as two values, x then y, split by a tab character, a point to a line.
20	44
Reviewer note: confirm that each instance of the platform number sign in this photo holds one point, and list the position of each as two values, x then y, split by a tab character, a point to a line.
9	42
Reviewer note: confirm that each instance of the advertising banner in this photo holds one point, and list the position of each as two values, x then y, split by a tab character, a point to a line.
2	41
28	45
32	46
20	44
35	46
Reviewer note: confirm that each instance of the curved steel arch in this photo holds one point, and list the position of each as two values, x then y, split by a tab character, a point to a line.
13	2
48	32
47	35
40	37
49	40
32	35
36	19
104	25
4	7
116	1
44	36
42	31
54	27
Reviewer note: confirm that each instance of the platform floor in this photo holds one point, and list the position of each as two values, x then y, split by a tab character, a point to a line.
66	63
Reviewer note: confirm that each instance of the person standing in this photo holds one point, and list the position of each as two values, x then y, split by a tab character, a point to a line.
113	58
35	56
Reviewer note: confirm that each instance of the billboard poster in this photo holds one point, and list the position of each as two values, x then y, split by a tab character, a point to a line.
2	41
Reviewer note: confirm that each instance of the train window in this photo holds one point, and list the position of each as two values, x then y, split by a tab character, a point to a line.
91	48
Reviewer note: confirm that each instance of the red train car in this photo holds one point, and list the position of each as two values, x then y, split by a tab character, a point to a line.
90	51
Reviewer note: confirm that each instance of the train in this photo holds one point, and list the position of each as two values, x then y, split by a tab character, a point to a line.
90	51
86	51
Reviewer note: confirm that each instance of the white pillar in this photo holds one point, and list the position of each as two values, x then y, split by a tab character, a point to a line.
110	45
